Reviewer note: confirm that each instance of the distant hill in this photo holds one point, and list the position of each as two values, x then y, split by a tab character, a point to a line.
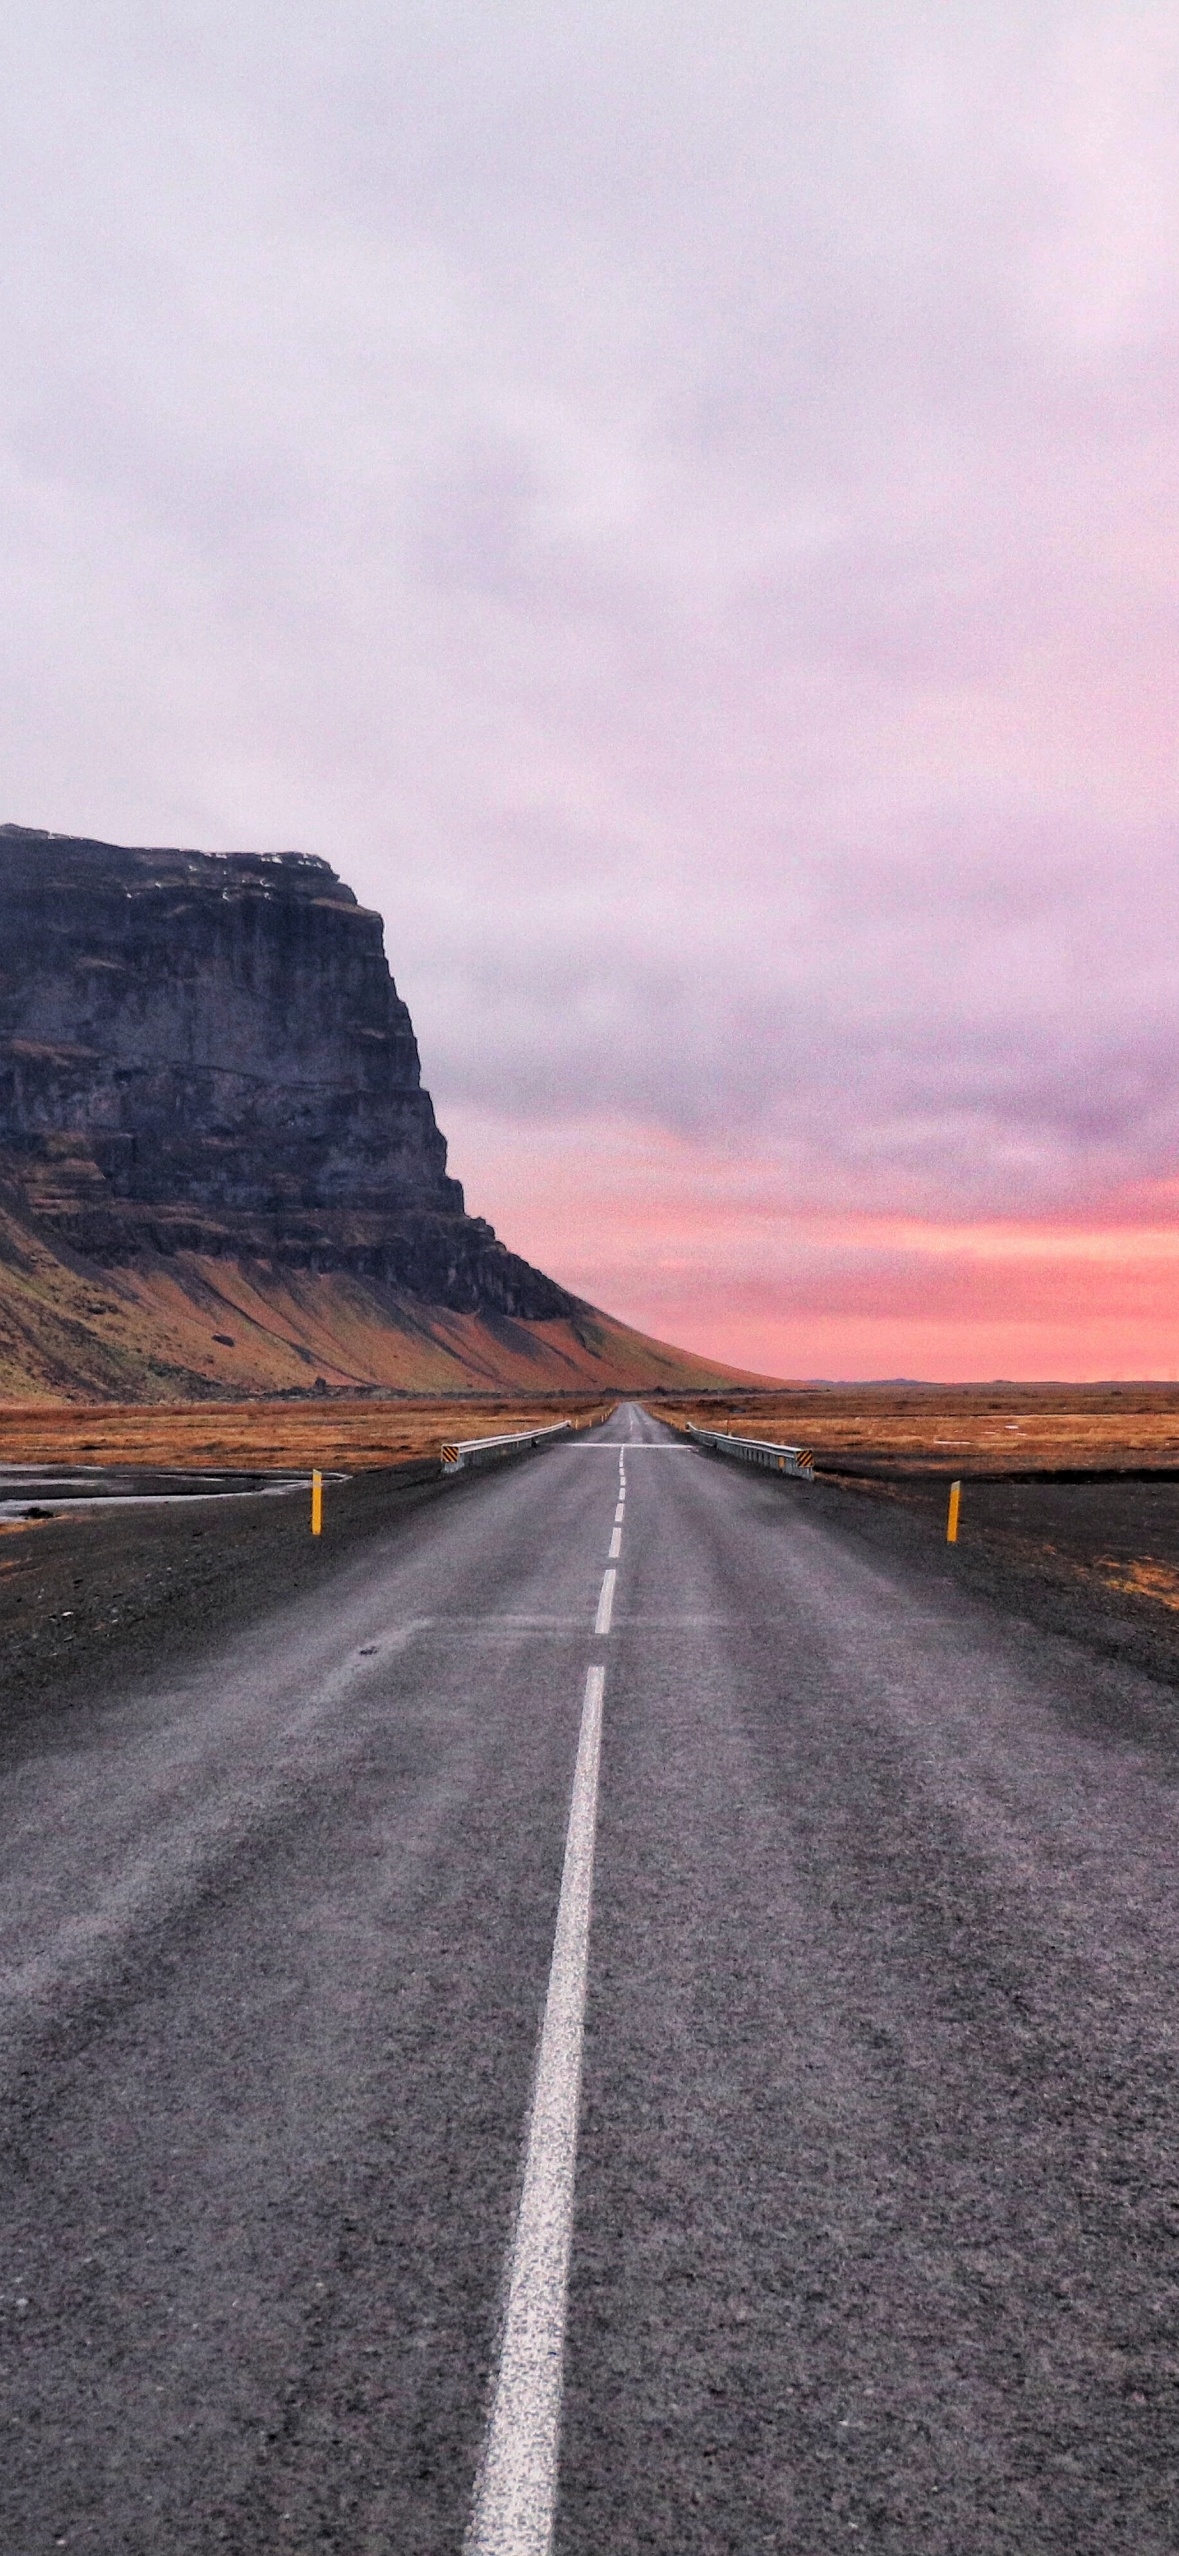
219	1171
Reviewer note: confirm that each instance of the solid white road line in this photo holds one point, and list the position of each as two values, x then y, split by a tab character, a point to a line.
615	1544
516	2495
605	1603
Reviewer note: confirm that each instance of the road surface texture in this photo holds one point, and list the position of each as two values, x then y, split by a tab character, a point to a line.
876	2170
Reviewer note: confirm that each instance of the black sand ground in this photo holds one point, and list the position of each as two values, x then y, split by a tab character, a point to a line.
121	1593
1040	1550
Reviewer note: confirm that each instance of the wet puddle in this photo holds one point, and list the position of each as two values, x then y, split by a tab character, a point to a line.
29	1491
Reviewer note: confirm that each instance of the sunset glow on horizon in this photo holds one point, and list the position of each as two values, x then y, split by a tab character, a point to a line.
684	515
696	1251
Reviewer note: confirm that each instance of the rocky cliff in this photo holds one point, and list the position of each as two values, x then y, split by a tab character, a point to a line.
205	1053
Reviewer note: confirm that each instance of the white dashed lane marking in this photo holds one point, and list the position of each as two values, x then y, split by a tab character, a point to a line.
605	1603
516	2493
615	1544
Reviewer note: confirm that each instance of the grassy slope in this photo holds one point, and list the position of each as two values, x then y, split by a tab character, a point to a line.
71	1332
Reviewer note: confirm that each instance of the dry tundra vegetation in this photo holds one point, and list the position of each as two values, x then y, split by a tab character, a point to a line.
360	1436
894	1430
943	1429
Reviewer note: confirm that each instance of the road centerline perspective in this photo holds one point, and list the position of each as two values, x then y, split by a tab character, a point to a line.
874	2174
516	2492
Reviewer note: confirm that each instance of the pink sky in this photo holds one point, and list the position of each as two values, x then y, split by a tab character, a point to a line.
703	1250
681	509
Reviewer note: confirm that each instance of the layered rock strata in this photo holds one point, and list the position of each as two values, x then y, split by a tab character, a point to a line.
206	1052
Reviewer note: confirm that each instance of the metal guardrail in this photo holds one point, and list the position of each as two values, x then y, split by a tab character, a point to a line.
463	1451
796	1460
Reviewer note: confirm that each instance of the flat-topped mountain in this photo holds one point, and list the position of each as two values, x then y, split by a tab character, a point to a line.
219	1171
207	1051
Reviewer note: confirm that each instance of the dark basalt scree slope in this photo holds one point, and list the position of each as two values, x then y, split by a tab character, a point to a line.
206	1052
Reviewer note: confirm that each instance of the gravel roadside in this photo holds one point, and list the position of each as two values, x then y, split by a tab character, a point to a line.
1049	1553
88	1603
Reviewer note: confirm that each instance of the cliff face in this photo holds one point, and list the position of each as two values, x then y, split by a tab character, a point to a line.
206	1053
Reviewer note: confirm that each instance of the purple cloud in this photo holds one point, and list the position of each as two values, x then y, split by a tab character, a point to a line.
681	513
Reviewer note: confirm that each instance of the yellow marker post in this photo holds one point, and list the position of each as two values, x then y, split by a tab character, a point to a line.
952	1520
317	1502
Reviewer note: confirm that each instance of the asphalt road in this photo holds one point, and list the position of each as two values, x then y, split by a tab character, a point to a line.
876	2169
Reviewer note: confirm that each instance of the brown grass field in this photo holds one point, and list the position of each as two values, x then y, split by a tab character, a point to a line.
984	1429
260	1436
967	1429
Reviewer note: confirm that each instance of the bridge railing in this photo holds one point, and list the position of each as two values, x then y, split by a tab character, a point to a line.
459	1452
796	1460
